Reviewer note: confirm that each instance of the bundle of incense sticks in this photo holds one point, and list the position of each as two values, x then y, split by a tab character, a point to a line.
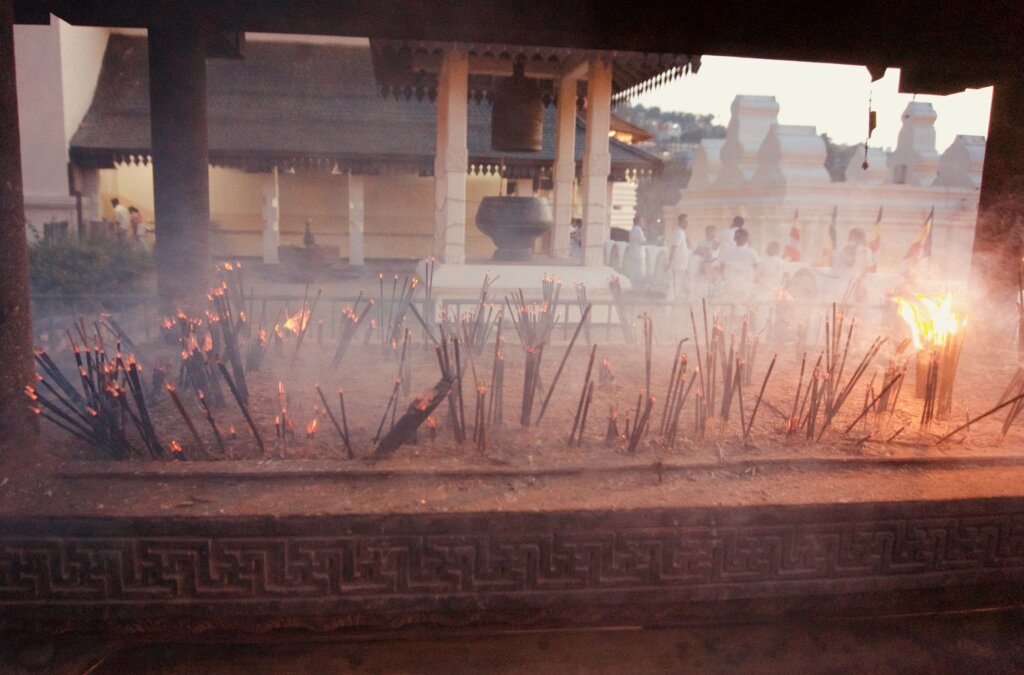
679	363
615	286
586	394
641	425
397	310
351	318
700	408
480	421
494	411
533	325
888	398
101	414
198	371
453	374
583	304
931	388
648	346
561	365
230	326
257	350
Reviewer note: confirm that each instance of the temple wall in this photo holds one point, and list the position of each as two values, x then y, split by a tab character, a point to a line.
57	67
906	184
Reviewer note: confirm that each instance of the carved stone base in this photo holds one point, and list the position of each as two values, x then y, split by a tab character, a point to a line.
570	568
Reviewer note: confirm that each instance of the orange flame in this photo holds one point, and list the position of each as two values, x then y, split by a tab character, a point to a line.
431	422
231	432
297	323
175	447
311	428
931	319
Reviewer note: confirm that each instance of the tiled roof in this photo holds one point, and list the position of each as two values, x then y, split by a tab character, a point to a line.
294	103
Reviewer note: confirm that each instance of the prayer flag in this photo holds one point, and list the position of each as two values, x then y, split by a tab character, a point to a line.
922	246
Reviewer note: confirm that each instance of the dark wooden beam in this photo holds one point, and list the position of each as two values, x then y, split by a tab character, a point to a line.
16	367
181	183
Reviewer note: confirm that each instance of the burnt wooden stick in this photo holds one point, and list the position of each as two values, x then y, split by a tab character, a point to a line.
241	405
458	388
417	413
739	390
980	417
344	423
586	409
641	425
869	406
71	430
481	415
671	387
185	416
760	395
330	414
426	329
212	422
82	425
392	400
680	403
561	365
583	393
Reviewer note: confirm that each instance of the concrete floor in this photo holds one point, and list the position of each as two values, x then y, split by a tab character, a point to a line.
979	642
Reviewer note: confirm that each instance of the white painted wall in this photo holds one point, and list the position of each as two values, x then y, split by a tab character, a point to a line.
56	68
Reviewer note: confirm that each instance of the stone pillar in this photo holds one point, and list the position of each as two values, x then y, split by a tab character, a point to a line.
1000	231
564	168
356	225
452	159
181	180
597	162
271	191
15	314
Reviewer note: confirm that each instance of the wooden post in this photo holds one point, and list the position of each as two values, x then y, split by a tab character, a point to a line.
597	162
564	168
15	308
181	179
452	158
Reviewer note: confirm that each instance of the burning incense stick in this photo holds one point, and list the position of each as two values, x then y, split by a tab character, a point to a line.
242	405
760	395
185	416
561	365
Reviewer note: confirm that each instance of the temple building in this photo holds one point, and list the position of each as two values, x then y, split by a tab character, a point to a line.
769	172
337	130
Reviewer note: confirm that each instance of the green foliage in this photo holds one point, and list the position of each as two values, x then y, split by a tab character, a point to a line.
96	264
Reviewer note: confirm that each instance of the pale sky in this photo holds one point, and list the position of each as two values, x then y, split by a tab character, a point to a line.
833	98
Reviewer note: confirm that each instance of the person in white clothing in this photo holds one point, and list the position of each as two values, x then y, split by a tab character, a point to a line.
771	274
729	240
123	218
679	258
738	265
633	261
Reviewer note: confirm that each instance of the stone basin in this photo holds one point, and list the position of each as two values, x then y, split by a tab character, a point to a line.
513	223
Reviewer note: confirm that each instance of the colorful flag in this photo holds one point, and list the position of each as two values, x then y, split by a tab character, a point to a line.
922	246
792	251
830	242
875	242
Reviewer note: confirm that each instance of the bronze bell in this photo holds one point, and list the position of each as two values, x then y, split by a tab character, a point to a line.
517	113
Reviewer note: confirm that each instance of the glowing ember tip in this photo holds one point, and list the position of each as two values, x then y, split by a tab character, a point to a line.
175	447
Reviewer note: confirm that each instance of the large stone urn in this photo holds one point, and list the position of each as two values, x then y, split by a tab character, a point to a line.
513	223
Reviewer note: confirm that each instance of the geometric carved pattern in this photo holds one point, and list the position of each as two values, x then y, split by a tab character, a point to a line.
734	560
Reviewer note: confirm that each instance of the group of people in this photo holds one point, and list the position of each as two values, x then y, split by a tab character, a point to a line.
724	266
129	221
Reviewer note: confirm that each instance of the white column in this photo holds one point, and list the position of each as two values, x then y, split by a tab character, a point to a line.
564	168
355	220
452	159
597	162
271	217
